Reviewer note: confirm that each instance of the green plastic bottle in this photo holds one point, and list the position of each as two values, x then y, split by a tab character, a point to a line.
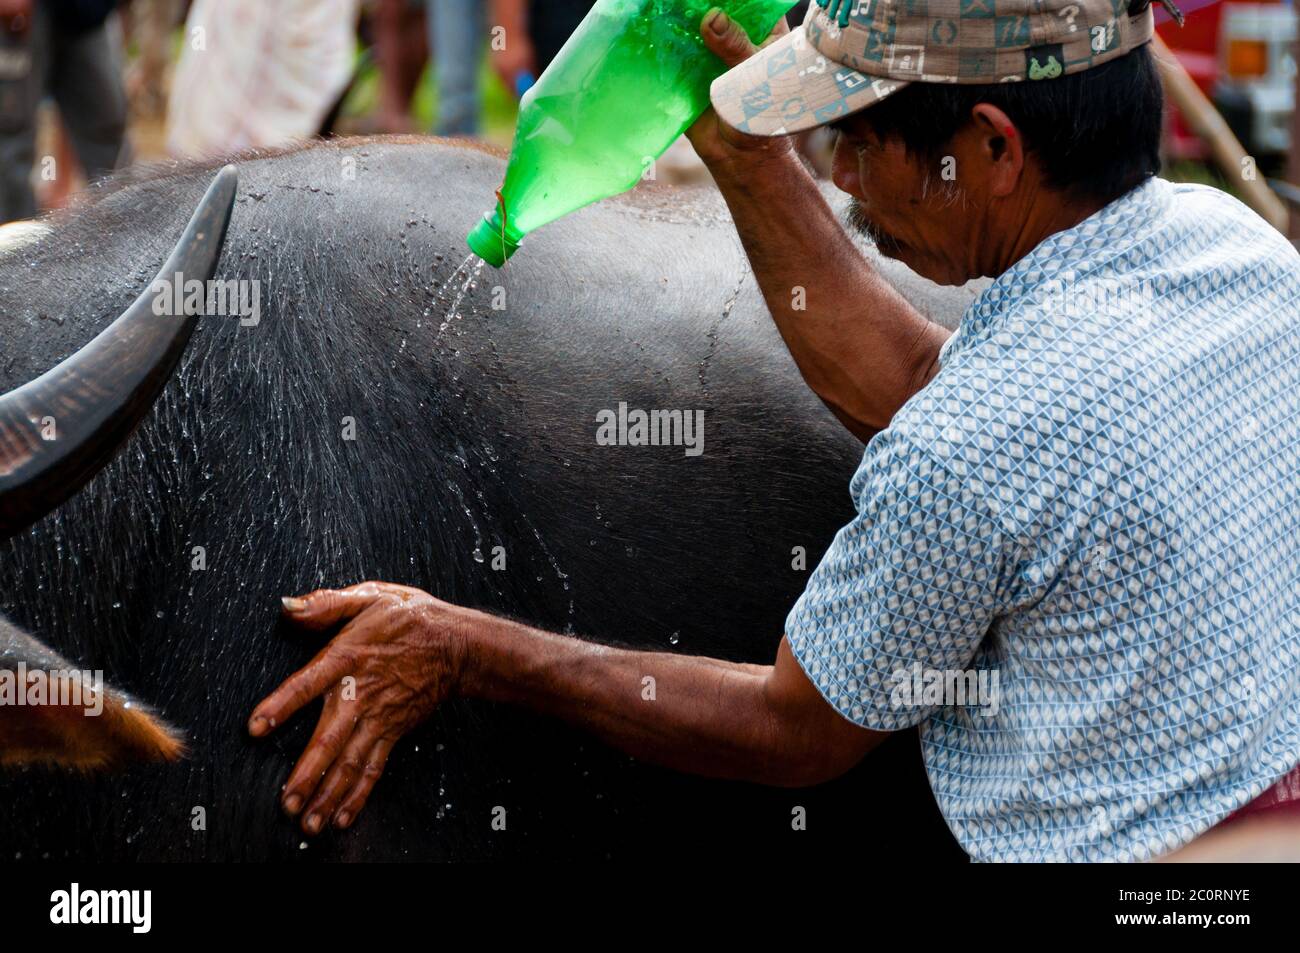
631	78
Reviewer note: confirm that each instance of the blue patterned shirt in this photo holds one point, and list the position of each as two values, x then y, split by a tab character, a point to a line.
1089	523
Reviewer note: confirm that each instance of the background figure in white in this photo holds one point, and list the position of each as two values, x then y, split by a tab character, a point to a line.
258	73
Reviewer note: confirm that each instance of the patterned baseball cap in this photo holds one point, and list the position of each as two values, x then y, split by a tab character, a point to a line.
849	54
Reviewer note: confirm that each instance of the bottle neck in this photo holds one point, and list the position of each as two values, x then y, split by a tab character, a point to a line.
492	240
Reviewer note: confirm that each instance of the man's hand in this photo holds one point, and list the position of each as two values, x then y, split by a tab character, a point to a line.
409	651
517	55
15	14
720	145
861	348
516	58
405	650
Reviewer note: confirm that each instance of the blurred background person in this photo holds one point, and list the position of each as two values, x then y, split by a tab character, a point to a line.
258	73
150	25
456	38
404	33
71	52
400	43
534	31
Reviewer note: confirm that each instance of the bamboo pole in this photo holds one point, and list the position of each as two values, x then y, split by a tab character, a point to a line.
1205	121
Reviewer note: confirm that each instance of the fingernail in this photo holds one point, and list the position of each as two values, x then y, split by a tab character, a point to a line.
293	804
718	21
257	726
293	604
313	823
343	820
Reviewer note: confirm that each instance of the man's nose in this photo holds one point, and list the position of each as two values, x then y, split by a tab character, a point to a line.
844	169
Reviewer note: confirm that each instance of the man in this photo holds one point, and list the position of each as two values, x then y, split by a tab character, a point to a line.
1085	498
71	53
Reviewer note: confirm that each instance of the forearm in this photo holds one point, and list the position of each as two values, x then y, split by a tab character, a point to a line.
393	96
858	343
510	15
698	715
409	652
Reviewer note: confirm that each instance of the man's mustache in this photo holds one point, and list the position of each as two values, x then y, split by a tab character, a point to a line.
857	220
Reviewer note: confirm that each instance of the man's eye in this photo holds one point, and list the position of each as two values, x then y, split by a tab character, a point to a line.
857	143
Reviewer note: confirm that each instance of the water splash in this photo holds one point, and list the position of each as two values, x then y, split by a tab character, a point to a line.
470	275
560	574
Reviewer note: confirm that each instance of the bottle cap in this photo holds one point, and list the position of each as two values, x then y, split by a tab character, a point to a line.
490	241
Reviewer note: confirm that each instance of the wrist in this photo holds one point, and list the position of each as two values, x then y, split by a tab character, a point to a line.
477	637
757	170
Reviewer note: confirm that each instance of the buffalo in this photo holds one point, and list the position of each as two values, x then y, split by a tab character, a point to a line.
390	409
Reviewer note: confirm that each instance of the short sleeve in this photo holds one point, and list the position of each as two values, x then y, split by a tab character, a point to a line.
908	588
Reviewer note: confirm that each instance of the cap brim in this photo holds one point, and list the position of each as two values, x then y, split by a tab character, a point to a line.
787	87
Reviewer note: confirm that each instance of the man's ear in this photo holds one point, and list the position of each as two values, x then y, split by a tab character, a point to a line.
1000	145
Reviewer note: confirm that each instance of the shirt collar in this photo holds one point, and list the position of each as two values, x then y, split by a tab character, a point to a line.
1059	257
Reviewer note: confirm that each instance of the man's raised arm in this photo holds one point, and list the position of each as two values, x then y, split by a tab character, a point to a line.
860	346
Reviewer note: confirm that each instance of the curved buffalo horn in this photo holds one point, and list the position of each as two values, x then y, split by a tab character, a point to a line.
97	396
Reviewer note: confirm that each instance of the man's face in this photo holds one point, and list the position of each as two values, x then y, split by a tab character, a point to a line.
913	210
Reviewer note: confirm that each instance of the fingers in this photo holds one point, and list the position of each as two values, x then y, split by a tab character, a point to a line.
346	755
326	608
298	689
340	777
335	727
371	771
725	39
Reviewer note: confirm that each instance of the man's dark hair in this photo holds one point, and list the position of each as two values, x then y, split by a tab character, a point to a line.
1096	133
